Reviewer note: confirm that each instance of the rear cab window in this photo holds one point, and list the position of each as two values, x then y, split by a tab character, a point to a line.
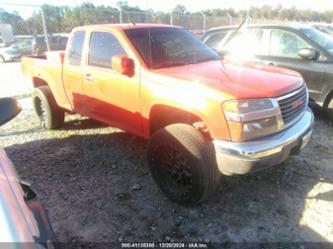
76	48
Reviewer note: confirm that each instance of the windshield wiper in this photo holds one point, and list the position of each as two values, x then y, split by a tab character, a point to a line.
182	63
204	60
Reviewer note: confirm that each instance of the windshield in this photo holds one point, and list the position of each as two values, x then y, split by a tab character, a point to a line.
326	30
169	47
320	38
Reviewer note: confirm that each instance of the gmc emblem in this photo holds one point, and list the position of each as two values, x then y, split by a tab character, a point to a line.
297	103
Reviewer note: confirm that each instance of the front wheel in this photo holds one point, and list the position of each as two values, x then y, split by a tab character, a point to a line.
50	115
329	109
183	164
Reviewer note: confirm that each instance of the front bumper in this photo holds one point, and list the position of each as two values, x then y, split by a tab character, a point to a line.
247	157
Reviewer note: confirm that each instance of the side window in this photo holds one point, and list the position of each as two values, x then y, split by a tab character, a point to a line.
103	46
75	48
215	39
249	42
286	44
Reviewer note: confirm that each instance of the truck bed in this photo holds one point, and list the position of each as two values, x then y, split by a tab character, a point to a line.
45	70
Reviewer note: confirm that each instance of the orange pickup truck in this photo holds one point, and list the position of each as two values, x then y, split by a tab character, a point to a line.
205	117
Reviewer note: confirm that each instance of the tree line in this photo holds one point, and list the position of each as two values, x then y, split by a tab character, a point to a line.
63	18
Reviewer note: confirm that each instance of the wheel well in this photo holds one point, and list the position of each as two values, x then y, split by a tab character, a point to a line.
37	82
161	116
328	98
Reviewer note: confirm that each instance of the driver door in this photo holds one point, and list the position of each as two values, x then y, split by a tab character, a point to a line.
283	51
111	97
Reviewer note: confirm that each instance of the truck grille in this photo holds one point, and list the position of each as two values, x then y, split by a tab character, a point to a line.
293	104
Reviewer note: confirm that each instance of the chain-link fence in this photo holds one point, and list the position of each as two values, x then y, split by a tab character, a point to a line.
19	24
17	31
34	29
37	29
63	19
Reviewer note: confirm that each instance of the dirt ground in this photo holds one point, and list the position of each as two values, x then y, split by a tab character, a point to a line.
95	183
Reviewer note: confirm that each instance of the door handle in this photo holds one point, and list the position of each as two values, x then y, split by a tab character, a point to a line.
88	77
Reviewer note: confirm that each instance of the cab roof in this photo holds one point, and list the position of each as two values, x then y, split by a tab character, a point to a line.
297	26
125	26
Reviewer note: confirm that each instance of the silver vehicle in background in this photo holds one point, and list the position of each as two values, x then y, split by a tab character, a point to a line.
23	221
9	54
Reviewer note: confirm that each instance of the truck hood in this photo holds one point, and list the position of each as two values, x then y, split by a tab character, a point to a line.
241	80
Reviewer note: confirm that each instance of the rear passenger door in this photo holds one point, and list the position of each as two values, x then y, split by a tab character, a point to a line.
111	97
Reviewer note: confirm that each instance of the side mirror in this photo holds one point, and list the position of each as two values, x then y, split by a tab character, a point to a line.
309	54
9	108
123	65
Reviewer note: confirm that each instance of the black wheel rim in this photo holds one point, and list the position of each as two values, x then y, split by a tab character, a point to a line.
41	111
172	172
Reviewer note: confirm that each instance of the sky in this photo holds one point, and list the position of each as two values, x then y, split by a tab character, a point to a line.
166	5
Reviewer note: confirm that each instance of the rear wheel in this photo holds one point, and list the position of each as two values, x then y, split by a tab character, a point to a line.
183	164
50	115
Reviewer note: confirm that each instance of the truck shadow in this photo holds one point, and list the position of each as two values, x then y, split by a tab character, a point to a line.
83	124
98	188
79	123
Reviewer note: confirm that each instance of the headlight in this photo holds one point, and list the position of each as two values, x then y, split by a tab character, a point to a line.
253	118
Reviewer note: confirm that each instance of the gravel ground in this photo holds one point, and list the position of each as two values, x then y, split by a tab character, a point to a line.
95	183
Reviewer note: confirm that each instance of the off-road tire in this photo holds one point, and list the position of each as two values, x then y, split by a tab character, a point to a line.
50	115
183	164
